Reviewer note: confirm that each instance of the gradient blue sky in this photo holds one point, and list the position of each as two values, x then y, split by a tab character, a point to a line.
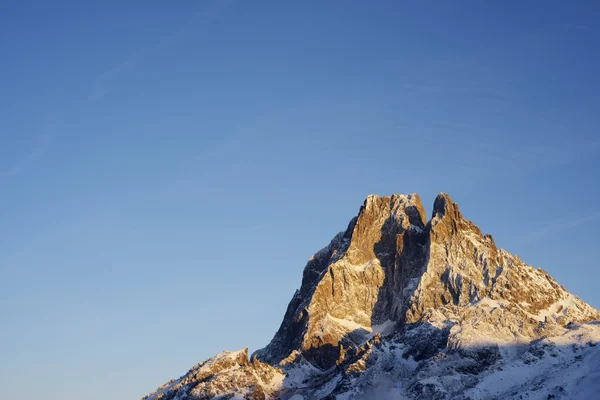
167	168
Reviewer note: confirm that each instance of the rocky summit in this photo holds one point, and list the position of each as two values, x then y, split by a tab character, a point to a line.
401	307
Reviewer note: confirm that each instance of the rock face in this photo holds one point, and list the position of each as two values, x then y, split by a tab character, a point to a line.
355	283
228	374
396	291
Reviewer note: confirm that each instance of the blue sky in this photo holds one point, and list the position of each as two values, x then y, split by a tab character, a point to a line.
166	170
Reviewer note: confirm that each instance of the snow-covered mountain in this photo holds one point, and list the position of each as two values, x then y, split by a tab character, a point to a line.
398	307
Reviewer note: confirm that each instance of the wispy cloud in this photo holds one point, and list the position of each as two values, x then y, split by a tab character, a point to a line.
465	87
561	224
104	83
514	156
39	146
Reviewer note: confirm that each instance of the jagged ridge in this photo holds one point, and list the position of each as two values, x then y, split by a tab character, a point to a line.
430	287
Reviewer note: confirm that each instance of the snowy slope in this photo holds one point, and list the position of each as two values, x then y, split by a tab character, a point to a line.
397	307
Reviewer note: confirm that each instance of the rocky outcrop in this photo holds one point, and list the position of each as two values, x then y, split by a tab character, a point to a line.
228	374
390	291
355	283
392	267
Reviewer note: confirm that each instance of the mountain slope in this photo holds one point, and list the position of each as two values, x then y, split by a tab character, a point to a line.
403	307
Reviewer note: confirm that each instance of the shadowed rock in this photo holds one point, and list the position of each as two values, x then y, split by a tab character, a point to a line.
393	290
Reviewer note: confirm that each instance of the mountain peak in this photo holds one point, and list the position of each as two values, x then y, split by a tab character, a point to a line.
394	279
393	268
443	205
409	204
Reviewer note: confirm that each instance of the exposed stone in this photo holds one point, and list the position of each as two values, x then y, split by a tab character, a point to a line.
390	265
439	290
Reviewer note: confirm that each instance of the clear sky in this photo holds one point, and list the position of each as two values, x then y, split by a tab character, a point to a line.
167	168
